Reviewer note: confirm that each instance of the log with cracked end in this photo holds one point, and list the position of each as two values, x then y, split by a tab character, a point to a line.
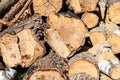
114	11
65	34
79	64
50	67
90	19
79	6
20	49
98	35
45	7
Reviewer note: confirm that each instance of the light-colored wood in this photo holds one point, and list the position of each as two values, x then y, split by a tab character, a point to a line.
79	64
45	7
65	34
114	11
90	19
50	67
20	49
98	35
104	77
79	6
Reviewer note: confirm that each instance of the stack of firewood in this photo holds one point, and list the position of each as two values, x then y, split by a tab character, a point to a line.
62	39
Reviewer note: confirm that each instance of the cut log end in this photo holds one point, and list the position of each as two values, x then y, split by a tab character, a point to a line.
82	66
45	7
115	73
114	12
90	19
46	75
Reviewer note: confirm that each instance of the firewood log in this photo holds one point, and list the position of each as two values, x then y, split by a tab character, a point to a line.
114	11
79	6
113	36
79	64
45	7
90	19
19	44
65	34
50	67
107	62
98	34
104	77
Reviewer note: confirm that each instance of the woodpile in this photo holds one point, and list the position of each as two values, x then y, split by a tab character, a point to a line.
60	39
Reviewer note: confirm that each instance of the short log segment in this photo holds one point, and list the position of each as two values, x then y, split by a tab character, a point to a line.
98	34
50	67
114	11
65	34
108	63
79	65
79	6
21	46
45	7
90	19
113	36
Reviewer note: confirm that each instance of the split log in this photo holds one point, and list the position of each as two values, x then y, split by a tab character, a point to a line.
6	5
19	44
45	7
65	34
90	19
79	64
104	77
114	11
113	36
50	67
79	6
98	34
108	63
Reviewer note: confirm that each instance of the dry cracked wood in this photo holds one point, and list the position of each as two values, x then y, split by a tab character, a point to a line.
79	64
19	44
50	67
114	11
45	7
79	6
65	34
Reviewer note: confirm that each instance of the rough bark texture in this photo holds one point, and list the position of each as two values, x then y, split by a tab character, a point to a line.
79	64
20	45
45	7
51	67
68	31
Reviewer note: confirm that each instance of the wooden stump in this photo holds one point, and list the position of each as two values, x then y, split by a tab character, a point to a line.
51	67
79	6
79	64
19	44
114	11
90	19
65	34
45	7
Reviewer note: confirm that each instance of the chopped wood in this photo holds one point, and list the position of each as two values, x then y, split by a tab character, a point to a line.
104	77
20	45
51	67
113	36
79	6
45	7
90	19
98	35
79	64
69	32
114	11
